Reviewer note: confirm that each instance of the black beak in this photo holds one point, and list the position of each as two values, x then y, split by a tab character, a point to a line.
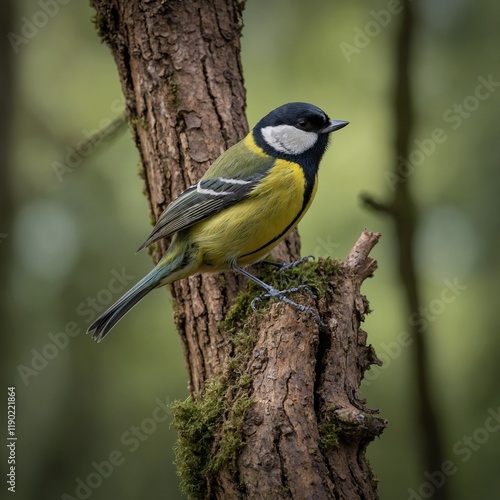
333	125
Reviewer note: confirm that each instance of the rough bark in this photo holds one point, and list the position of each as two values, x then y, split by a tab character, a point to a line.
180	70
179	65
307	431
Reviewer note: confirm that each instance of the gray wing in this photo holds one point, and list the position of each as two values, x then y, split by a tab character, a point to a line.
200	201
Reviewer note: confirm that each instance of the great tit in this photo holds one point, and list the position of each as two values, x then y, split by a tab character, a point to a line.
252	196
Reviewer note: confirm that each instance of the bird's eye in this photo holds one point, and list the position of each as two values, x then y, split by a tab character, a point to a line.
302	123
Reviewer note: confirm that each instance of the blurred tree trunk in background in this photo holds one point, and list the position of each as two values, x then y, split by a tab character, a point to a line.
402	209
274	409
6	203
404	213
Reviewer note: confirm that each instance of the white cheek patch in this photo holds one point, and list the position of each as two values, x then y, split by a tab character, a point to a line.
288	139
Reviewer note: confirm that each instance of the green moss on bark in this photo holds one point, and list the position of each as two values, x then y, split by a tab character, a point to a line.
210	427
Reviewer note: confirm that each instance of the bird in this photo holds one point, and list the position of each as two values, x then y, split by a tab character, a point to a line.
248	200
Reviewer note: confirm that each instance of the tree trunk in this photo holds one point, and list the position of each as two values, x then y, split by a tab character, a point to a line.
274	407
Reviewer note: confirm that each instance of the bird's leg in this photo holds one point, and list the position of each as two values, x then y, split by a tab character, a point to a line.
273	293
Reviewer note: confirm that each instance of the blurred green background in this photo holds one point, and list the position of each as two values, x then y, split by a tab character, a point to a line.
67	240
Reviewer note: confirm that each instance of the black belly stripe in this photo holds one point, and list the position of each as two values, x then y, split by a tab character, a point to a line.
277	237
308	162
307	196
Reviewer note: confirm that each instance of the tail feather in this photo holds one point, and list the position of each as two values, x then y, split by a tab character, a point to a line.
104	323
177	263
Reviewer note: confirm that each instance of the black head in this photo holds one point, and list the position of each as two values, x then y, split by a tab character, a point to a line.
296	131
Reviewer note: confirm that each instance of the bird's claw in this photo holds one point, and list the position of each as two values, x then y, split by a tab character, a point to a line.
295	263
257	299
281	295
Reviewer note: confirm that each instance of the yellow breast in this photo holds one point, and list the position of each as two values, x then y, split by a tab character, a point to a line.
248	230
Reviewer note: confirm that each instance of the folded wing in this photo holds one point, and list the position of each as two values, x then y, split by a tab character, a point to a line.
200	201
